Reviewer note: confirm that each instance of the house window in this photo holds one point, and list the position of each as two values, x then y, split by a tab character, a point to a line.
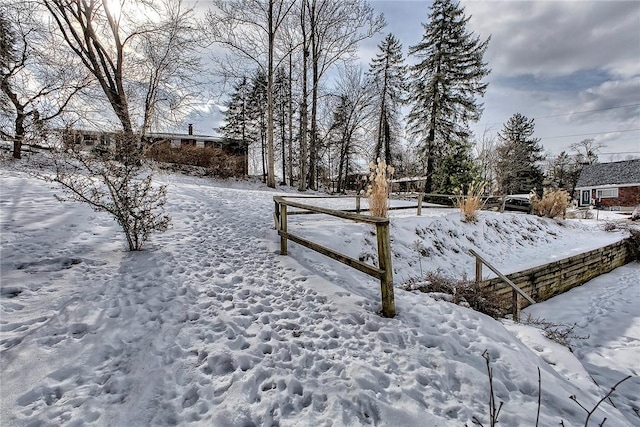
607	193
89	139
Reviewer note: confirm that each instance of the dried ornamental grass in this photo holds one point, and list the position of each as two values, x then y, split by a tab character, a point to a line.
378	188
470	203
554	203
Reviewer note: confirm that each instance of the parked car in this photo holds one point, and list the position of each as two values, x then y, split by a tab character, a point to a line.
517	203
635	215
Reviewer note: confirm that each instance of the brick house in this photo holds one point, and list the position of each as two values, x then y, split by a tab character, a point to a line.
237	151
610	185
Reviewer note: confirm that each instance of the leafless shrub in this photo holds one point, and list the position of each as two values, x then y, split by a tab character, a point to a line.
217	161
115	182
494	412
561	333
463	292
605	397
554	203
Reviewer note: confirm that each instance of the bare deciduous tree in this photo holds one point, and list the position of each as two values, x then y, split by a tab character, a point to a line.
335	29
121	189
35	85
169	64
113	40
93	31
587	151
352	114
249	28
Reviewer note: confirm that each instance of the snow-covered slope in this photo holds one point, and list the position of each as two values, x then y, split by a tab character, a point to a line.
211	326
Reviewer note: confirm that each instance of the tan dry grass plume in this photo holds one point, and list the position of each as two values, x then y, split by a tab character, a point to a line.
554	203
379	188
470	203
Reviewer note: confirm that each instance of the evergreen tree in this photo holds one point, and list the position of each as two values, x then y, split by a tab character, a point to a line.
257	116
518	156
388	74
445	83
237	120
558	173
457	169
281	97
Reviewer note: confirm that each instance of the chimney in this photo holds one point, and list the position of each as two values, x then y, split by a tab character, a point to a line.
190	128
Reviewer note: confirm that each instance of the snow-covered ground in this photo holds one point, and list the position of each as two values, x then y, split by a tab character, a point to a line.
211	326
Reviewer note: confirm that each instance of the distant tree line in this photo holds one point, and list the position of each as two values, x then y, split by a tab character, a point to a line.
295	94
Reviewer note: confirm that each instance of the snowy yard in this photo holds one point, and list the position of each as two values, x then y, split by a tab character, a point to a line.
211	326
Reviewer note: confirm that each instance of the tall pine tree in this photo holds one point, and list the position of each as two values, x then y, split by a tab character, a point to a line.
388	74
519	154
237	118
258	115
445	84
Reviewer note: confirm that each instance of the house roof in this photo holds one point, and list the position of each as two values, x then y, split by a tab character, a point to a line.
615	173
207	138
166	135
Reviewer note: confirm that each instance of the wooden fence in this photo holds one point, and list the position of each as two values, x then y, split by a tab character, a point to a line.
384	270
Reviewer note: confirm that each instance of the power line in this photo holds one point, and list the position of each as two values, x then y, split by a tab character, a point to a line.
592	133
569	114
588	111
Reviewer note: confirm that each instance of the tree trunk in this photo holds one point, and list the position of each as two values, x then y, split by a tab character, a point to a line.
21	116
387	141
263	143
313	143
284	143
19	134
302	182
290	104
341	164
271	179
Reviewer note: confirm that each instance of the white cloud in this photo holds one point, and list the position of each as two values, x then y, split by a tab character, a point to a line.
552	38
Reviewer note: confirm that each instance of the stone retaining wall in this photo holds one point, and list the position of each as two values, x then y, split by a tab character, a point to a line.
546	281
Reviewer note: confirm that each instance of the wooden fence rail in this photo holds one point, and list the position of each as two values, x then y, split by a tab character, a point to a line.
384	271
515	307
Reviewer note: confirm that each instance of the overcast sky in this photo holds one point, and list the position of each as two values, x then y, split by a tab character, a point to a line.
573	66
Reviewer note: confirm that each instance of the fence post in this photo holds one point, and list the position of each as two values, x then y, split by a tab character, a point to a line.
384	262
276	215
478	270
420	196
515	309
283	229
358	204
